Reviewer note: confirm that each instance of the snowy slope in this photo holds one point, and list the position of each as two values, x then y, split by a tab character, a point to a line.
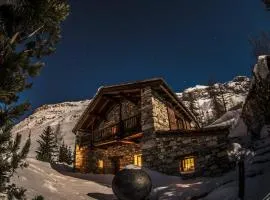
64	114
40	179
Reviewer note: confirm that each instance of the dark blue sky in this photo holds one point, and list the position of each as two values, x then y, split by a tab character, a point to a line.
186	42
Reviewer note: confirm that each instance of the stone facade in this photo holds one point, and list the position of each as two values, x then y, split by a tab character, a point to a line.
123	152
160	113
210	152
81	159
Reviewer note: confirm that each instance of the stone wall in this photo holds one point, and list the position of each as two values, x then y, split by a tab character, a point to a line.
125	153
81	158
210	153
147	121
160	113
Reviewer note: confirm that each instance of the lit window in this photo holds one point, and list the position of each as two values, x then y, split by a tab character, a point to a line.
100	164
187	165
138	160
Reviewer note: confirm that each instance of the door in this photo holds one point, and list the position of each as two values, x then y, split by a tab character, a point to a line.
172	119
115	164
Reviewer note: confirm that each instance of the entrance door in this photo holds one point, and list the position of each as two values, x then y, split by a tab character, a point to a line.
116	164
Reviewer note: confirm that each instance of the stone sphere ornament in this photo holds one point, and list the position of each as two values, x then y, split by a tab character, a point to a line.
131	184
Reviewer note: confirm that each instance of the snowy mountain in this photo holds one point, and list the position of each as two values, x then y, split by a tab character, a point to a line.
61	115
234	93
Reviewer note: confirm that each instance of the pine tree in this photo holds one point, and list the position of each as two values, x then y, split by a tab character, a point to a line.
58	140
221	94
47	146
65	154
38	198
62	153
58	135
29	30
69	156
194	107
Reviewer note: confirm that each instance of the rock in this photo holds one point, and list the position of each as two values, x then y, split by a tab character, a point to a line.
132	184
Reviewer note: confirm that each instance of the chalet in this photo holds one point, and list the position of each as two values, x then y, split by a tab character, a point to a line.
144	123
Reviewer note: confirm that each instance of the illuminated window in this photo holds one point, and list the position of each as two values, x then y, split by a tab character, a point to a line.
138	160
187	165
100	164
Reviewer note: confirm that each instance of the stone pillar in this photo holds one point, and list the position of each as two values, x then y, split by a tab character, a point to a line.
160	113
148	144
147	121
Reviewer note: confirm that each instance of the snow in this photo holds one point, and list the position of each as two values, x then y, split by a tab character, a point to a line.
261	69
64	114
235	93
197	87
40	179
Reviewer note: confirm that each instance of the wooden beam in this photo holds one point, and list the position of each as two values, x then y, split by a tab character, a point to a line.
127	142
129	98
103	105
134	136
83	131
111	98
104	143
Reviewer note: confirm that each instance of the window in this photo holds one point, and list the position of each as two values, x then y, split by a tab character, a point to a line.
100	164
114	130
187	165
138	160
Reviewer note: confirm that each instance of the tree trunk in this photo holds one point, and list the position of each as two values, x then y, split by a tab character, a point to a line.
241	180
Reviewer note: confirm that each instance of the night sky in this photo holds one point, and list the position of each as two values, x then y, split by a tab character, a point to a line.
112	41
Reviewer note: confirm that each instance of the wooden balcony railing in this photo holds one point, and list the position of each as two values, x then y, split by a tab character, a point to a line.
121	129
118	130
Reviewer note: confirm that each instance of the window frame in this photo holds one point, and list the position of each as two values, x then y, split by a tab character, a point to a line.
100	164
182	163
136	160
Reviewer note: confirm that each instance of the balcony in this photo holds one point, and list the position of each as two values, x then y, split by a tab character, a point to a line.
117	131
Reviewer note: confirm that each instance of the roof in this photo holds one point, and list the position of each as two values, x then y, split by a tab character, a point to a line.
132	86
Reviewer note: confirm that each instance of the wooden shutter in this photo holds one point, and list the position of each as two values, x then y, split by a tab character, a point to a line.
180	123
172	119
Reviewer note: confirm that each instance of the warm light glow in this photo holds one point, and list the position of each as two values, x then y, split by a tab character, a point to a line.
100	164
79	157
138	160
187	164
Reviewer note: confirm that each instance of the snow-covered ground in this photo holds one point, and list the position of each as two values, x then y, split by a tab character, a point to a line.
40	179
